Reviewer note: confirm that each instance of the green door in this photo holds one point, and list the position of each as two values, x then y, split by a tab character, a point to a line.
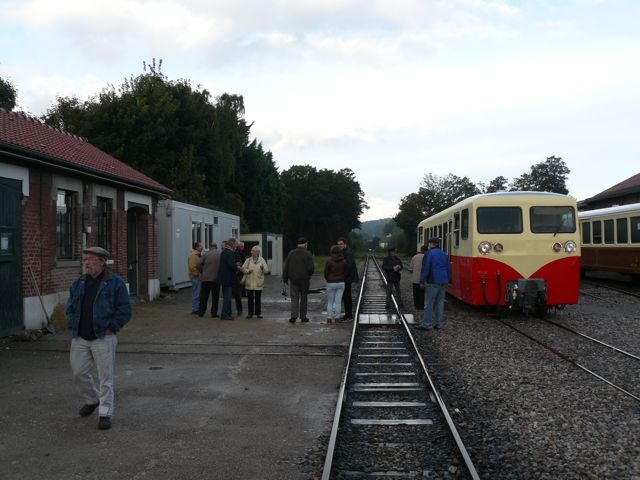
11	317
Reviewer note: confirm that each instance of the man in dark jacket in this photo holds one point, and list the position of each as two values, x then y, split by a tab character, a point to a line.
350	278
227	277
297	271
97	308
391	266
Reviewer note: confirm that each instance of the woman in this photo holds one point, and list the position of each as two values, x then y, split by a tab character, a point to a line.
254	268
335	270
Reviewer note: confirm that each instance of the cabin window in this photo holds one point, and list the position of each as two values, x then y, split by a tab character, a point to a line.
208	235
597	232
622	229
65	212
196	232
464	225
586	232
608	232
103	222
550	219
635	229
499	219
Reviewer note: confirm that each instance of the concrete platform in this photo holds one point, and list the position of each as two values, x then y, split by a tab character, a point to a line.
196	398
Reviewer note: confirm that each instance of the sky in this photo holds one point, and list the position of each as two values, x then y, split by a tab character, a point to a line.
392	89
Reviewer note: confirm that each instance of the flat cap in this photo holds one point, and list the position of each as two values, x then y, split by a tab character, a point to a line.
302	241
98	251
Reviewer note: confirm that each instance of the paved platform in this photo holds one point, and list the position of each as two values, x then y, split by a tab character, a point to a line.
196	398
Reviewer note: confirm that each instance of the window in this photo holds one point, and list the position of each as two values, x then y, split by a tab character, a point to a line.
499	220
64	224
552	219
597	232
622	228
196	232
608	232
586	232
635	229
464	227
103	222
456	230
208	235
420	237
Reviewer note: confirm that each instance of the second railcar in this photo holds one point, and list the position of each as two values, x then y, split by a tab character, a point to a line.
510	249
611	239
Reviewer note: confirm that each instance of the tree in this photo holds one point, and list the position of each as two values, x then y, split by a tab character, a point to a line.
8	94
434	195
496	185
547	176
322	204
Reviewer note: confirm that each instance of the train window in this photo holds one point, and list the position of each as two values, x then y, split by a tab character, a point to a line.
597	232
445	242
456	230
635	229
464	226
608	232
622	229
550	219
420	237
499	219
586	232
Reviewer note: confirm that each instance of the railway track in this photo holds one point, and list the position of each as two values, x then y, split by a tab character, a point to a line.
611	365
390	421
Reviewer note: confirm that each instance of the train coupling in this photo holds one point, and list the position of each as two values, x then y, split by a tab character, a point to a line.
526	294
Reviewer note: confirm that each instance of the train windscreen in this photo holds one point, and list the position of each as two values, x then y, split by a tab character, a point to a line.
499	219
550	219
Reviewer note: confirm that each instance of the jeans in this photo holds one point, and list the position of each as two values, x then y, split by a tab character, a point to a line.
334	299
195	294
100	353
434	304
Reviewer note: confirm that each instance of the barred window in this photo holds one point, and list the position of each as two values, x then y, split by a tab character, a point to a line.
65	212
103	222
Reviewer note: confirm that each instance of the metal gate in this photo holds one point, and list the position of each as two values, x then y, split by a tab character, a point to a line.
11	315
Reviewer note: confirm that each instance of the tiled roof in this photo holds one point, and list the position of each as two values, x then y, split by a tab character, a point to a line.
631	184
59	148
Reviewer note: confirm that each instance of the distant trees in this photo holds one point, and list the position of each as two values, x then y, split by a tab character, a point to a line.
437	193
8	94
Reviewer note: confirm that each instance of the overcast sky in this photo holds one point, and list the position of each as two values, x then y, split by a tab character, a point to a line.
393	89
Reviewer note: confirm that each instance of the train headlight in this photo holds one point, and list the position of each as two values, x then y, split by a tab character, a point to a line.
557	247
498	247
570	246
484	247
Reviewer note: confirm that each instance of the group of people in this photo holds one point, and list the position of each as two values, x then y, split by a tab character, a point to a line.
228	271
340	273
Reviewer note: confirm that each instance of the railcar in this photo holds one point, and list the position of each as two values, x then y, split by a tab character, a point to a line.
611	239
516	250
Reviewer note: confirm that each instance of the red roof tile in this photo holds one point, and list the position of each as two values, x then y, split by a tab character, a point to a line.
20	130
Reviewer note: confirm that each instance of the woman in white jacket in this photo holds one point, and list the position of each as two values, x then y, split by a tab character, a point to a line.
254	268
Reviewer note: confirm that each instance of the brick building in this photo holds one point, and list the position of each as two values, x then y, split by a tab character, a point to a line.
59	194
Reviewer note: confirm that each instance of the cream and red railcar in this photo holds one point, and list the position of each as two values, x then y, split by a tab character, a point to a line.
611	239
510	249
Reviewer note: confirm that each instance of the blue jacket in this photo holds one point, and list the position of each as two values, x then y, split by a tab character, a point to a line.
436	267
111	308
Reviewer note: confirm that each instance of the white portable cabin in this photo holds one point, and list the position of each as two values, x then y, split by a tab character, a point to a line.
180	225
271	245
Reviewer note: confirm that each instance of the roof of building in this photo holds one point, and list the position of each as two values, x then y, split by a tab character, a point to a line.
27	136
630	185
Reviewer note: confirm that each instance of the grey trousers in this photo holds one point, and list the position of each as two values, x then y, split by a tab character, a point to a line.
299	291
100	354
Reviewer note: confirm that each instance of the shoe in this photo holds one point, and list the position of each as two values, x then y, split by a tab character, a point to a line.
201	315
329	320
304	320
422	327
87	409
347	319
194	313
439	327
292	320
213	315
249	316
104	423
226	317
259	316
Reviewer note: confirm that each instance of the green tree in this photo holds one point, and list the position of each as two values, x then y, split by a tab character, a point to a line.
496	185
8	94
547	176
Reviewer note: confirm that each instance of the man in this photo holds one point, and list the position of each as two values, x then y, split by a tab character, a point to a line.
297	271
418	289
436	274
227	277
391	266
350	278
97	308
194	275
210	264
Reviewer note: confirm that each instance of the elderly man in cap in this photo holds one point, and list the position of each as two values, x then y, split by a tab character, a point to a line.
98	307
297	271
391	266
